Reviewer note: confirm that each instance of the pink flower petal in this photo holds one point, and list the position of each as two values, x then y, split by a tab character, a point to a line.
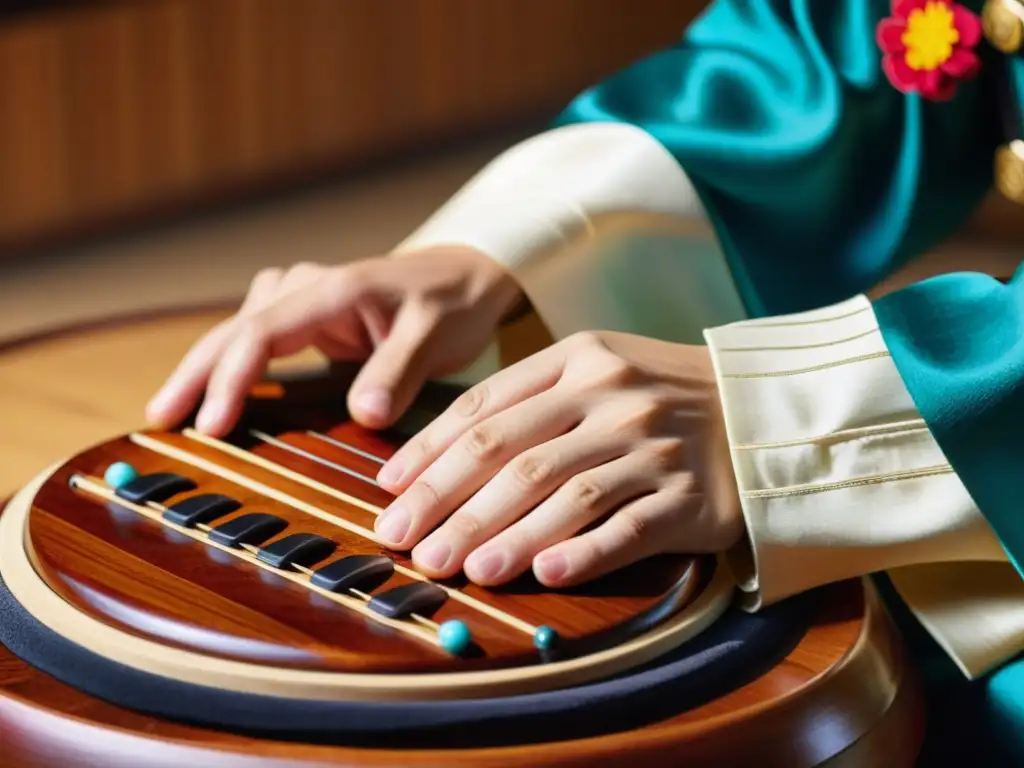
968	25
936	85
902	8
962	65
889	36
900	74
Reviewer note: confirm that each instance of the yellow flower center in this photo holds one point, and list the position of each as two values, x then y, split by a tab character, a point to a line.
930	36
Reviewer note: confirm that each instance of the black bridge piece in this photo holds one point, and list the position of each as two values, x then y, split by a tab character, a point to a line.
362	572
157	487
253	528
422	598
298	549
197	510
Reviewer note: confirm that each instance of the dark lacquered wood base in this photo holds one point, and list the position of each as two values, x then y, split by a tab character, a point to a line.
845	696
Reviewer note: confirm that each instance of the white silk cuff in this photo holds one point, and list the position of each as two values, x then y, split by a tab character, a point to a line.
602	229
838	474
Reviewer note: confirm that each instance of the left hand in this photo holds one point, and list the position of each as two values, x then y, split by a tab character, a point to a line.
599	451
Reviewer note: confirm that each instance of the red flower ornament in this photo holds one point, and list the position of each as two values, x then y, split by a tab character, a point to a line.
929	47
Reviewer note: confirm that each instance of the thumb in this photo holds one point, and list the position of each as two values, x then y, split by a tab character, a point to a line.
391	379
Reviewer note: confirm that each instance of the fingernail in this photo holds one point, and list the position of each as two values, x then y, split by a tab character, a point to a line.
376	403
433	554
488	565
393	525
391	473
157	405
552	568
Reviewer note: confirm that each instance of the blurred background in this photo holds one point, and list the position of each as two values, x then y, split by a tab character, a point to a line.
226	131
154	154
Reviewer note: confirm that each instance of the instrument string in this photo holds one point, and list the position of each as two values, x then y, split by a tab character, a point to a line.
311	456
247	553
346	447
273	466
171	451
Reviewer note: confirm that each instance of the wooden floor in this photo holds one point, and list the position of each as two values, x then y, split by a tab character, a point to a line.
62	393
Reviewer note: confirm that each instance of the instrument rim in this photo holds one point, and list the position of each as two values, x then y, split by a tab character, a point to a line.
873	662
882	665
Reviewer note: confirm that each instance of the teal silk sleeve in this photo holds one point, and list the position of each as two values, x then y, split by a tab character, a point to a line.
819	176
958	342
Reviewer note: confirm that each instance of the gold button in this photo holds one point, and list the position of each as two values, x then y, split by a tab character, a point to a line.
1003	22
1010	170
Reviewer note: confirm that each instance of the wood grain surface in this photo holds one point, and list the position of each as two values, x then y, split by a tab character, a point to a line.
115	112
66	391
133	573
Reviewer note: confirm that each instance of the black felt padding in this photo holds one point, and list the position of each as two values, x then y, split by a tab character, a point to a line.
157	487
735	650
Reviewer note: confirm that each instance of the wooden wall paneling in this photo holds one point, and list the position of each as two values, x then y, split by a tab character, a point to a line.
33	121
111	111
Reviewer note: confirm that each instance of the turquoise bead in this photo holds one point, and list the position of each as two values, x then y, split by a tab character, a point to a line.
119	474
544	637
454	636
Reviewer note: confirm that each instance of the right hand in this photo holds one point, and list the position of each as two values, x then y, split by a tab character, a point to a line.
409	318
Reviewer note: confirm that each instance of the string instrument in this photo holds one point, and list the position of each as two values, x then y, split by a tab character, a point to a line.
168	598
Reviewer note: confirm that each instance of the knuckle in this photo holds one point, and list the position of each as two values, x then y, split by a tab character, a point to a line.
531	471
586	493
471	402
618	373
267	275
253	330
463	527
669	454
634	528
347	282
422	495
585	340
483	443
304	268
642	417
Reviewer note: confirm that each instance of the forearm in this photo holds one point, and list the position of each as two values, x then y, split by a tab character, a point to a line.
838	472
601	228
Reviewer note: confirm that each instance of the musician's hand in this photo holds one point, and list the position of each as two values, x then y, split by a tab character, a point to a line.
410	318
594	453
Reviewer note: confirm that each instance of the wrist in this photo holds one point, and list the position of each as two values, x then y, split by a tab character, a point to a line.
723	484
487	283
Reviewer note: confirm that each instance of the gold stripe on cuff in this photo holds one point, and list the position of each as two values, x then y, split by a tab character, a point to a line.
890	477
811	369
818	321
896	428
799	346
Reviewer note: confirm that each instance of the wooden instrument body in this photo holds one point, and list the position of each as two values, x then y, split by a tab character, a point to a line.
842	695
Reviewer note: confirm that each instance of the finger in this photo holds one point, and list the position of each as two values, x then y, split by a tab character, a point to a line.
299	276
638	530
463	469
497	393
517	488
585	498
283	328
389	381
183	388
